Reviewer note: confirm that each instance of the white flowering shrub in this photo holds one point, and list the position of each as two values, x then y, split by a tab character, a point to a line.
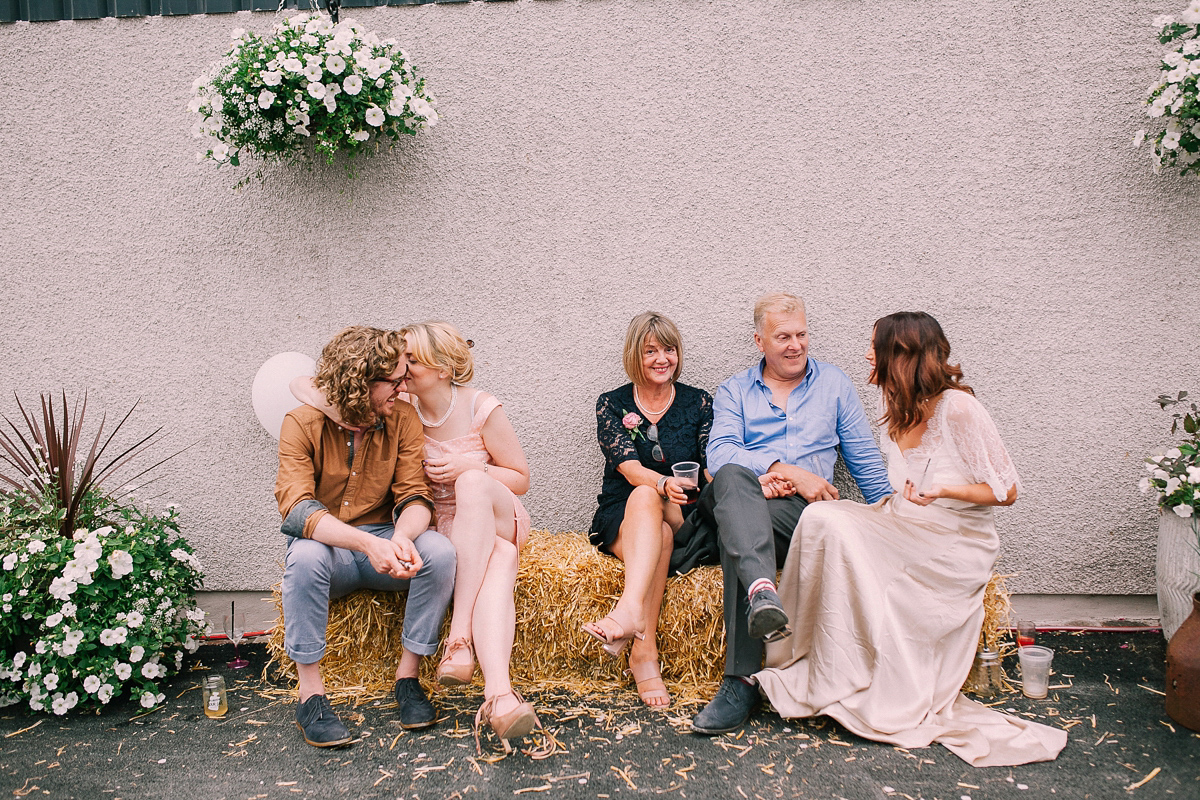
103	613
1175	475
309	82
1173	97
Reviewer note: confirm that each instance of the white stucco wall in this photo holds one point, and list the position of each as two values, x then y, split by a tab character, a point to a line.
599	158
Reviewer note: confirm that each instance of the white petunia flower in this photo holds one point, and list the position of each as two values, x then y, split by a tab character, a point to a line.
310	40
122	671
61	588
37	545
120	561
19	659
135	619
238	33
136	653
265	98
330	103
1139	137
91	684
292	64
360	136
150	670
54	619
316	90
1163	21
220	151
374	116
148	700
396	106
352	85
335	64
10	561
105	693
271	78
69	609
1183	510
1172	486
51	681
1144	485
59	705
313	71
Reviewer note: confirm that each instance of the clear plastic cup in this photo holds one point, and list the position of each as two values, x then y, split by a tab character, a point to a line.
1035	670
688	475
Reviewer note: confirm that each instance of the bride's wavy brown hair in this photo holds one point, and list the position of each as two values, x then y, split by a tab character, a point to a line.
352	359
911	365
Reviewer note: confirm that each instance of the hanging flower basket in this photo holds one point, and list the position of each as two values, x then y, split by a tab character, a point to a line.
309	86
1175	96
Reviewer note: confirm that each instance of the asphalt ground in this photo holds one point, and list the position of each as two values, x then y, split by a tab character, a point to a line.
1122	745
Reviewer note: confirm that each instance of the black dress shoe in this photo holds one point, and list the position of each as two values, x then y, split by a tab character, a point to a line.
729	710
767	619
320	726
415	709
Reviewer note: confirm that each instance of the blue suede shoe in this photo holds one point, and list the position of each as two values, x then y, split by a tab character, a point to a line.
320	726
729	710
415	709
767	620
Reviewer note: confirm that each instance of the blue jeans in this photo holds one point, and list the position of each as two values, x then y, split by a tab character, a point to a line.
316	573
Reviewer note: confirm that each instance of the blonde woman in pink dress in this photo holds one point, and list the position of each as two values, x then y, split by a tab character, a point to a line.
477	468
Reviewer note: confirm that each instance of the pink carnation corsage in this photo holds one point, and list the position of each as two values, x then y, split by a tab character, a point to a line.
631	421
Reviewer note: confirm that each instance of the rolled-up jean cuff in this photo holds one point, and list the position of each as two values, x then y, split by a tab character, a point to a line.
301	657
418	648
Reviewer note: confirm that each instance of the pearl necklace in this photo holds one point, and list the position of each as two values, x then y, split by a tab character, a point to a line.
446	416
642	406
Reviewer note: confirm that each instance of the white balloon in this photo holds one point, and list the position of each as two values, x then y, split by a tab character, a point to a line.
271	396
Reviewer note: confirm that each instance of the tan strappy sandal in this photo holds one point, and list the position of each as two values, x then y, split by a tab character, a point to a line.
452	674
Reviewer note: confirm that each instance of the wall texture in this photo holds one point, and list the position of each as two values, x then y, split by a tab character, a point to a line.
598	158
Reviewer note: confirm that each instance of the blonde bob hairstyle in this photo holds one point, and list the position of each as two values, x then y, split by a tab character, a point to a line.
439	345
352	359
776	303
644	326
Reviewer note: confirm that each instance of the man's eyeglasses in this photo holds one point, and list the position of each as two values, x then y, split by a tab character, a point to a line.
652	435
396	384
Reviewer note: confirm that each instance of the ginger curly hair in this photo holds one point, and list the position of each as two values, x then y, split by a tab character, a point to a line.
352	359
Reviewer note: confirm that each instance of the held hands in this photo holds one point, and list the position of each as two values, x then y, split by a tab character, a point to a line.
775	485
396	557
447	469
809	486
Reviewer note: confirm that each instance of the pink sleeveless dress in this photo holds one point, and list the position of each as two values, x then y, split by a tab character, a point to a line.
470	445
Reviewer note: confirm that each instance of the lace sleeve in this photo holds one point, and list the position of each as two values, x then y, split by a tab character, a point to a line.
970	428
614	439
706	419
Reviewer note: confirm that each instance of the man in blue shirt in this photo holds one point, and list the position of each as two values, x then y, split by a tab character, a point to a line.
777	429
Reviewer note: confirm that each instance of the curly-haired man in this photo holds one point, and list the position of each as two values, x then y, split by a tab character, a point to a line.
358	509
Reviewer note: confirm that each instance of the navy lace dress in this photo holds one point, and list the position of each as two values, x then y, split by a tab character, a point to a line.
682	434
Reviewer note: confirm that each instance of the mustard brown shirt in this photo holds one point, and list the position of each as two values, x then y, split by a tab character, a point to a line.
321	473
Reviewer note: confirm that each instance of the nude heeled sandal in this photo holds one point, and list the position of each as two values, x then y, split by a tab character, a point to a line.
616	645
450	674
516	723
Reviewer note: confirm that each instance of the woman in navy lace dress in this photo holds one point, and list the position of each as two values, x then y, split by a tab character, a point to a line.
644	427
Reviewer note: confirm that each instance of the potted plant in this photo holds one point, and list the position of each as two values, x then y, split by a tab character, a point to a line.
96	591
1174	477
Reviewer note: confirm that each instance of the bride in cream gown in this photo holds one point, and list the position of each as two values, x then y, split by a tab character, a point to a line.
886	601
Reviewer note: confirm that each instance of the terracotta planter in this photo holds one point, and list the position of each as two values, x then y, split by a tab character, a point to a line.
1177	570
1183	671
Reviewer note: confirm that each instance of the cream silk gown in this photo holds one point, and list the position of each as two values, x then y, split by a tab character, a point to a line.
886	604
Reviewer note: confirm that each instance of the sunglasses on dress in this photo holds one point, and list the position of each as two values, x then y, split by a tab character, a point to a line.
652	435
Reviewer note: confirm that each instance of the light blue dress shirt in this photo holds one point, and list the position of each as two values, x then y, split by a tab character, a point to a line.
823	414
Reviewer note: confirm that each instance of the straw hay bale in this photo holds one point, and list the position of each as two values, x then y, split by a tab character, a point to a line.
563	582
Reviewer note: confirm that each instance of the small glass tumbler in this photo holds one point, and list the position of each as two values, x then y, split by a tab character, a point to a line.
986	678
1026	633
212	693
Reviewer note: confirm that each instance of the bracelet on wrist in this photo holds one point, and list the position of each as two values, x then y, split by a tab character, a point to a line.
662	482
